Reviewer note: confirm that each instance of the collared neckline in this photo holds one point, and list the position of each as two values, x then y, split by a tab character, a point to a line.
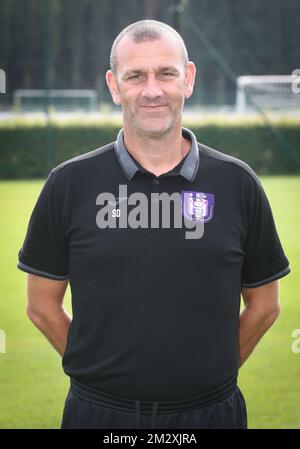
188	165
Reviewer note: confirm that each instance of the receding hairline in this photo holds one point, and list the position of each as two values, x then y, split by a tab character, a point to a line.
146	31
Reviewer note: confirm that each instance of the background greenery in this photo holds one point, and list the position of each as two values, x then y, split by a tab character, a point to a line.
32	384
23	148
255	38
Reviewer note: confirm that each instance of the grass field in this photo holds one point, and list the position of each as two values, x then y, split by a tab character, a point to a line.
32	384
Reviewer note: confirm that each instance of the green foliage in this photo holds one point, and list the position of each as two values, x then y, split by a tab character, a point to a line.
254	37
23	144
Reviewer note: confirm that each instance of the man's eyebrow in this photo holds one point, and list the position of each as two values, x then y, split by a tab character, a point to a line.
168	68
159	69
132	72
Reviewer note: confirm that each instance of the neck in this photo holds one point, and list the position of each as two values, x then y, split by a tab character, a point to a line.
157	155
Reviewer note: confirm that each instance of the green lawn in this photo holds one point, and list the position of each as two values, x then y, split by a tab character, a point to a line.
32	384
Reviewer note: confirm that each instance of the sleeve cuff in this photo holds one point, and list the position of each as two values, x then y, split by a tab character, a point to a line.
37	272
276	276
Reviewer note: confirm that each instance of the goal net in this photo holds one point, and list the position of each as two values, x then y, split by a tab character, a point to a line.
271	92
60	100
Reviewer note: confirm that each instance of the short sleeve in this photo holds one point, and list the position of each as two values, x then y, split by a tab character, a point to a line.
45	250
264	258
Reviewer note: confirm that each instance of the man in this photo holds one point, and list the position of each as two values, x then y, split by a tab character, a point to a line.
156	338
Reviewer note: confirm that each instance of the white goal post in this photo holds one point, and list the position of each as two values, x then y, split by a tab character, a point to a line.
268	92
59	99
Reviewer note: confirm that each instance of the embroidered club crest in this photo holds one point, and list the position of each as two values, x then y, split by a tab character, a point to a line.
197	206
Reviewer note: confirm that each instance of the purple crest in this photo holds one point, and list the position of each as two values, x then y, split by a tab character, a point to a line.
197	206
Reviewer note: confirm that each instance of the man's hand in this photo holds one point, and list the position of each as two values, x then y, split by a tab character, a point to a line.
45	309
262	307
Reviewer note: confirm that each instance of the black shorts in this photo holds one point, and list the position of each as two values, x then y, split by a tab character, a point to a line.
86	411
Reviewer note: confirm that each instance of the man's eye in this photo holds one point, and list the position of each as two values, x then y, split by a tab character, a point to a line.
134	77
168	74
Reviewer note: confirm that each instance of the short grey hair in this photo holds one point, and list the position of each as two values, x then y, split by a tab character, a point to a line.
145	31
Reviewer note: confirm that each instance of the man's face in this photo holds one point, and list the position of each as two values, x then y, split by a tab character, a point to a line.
151	84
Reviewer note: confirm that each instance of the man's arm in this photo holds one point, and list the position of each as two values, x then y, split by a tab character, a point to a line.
262	307
45	309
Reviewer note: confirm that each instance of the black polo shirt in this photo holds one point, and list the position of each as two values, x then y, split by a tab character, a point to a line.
155	314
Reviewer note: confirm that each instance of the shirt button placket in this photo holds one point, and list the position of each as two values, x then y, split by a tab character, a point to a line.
156	183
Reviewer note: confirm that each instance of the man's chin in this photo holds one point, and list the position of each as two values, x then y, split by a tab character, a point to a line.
155	132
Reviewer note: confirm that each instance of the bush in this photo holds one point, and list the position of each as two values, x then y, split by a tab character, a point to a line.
24	154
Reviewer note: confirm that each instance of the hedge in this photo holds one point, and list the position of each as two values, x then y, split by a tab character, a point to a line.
22	144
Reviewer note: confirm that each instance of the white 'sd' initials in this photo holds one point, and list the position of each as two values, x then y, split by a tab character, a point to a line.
116	213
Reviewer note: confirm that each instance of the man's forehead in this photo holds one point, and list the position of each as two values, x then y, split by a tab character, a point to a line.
148	52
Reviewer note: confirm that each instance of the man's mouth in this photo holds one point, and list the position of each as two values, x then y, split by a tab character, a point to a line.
154	107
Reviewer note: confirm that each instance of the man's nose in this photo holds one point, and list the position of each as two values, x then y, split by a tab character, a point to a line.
151	88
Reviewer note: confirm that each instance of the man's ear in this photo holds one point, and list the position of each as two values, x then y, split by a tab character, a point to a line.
190	75
113	88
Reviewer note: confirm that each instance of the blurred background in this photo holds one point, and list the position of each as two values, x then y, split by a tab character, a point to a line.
71	39
54	105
